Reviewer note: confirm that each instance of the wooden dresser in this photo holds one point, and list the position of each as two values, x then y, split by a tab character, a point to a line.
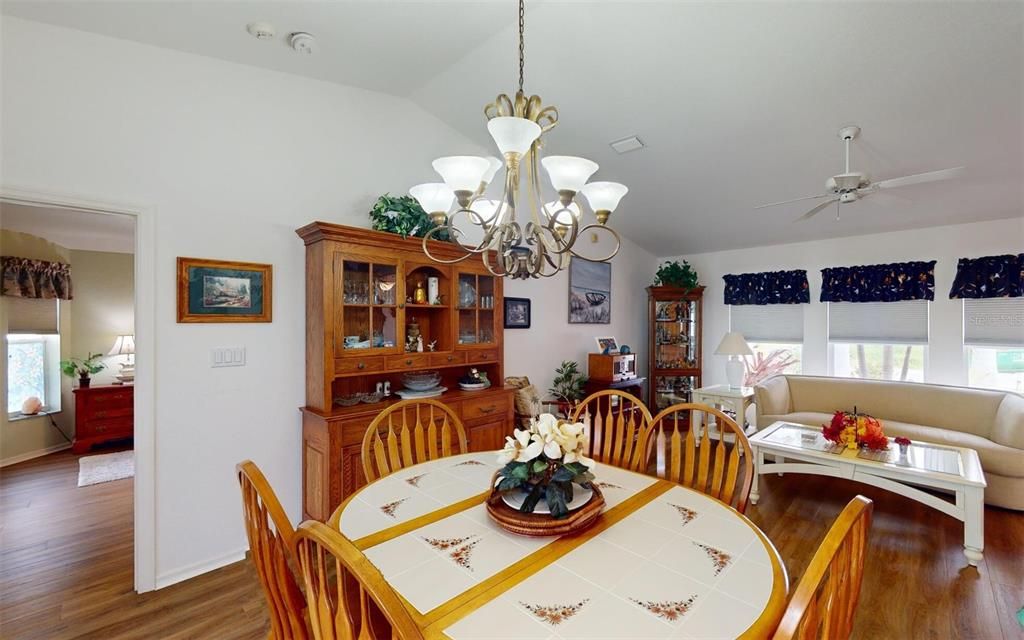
102	414
366	291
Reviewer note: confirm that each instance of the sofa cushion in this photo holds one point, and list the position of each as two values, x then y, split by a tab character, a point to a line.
994	457
1008	429
955	408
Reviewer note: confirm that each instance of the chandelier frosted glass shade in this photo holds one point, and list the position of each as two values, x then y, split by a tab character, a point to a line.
434	197
487	209
603	196
563	215
513	135
493	169
462	173
568	173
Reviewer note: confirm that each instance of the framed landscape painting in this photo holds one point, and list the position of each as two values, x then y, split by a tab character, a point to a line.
590	292
224	291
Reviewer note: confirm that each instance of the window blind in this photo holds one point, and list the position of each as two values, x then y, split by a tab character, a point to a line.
879	322
768	322
994	322
32	315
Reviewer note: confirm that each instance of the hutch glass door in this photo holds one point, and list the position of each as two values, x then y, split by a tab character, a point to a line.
368	317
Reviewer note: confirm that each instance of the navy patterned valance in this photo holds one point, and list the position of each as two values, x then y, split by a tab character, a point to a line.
769	287
989	277
879	282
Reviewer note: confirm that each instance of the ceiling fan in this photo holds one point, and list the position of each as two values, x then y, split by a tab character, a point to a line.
851	186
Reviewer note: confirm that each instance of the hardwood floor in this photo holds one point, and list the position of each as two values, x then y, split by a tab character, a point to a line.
66	567
66	564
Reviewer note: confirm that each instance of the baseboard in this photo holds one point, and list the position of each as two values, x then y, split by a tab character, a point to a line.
39	453
199	568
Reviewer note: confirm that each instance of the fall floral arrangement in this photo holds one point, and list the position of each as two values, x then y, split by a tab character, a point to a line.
855	430
544	461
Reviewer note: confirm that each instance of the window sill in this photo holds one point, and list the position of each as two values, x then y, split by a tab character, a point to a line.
19	416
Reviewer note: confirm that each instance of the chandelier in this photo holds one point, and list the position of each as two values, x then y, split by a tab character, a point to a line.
543	245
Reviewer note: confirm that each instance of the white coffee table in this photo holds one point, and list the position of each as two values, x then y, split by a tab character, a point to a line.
953	469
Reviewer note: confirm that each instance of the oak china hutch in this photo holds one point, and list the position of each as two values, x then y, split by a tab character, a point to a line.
366	304
676	316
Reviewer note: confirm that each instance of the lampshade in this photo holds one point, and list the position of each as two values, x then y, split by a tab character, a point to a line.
513	135
568	173
562	214
462	173
733	344
433	196
122	346
604	196
493	169
488	209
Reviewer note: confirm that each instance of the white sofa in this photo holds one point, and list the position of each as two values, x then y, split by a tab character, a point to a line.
990	422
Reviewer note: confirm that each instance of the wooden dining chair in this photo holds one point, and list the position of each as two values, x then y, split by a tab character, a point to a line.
825	600
339	579
619	424
686	453
271	540
410	432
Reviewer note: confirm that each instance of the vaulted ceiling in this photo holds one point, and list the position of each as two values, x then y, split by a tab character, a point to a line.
738	103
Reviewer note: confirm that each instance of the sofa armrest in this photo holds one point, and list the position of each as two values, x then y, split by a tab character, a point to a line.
1008	426
771	397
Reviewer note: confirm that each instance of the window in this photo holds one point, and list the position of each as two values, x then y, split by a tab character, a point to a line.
903	362
775	333
994	343
33	369
879	340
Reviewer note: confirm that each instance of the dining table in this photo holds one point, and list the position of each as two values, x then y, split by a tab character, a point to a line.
660	561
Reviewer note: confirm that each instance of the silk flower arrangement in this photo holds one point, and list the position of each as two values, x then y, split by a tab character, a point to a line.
544	461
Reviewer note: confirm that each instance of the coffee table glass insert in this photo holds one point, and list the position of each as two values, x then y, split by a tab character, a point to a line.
923	456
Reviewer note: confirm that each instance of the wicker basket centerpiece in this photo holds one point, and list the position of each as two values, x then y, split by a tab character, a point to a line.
545	487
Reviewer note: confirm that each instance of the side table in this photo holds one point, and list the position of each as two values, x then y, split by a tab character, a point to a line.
726	398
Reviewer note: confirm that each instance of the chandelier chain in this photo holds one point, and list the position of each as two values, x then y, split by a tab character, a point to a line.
522	46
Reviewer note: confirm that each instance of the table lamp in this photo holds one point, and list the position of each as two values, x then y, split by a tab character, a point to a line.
125	345
734	346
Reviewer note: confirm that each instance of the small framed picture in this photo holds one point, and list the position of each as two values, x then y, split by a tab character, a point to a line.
224	291
517	313
607	343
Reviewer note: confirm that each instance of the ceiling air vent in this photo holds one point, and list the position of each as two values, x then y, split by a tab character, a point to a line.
626	145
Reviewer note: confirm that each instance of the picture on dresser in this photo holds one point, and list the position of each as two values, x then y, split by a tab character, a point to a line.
590	292
224	291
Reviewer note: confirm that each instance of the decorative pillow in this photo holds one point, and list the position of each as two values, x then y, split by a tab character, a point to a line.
517	382
528	403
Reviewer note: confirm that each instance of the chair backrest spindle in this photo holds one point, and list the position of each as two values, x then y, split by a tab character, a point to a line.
687	454
411	435
619	428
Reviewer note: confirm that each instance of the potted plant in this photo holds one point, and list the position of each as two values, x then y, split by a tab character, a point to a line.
674	274
402	215
567	387
82	367
544	461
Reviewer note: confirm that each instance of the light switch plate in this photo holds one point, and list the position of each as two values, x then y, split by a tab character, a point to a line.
227	357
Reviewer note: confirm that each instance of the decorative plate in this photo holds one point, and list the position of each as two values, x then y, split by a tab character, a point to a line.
408	394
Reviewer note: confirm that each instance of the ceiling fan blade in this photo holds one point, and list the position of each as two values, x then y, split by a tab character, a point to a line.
815	210
917	178
773	204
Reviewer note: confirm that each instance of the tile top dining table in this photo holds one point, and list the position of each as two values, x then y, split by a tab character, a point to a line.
661	561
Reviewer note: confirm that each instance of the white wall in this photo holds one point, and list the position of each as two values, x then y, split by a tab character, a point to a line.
535	352
232	159
945	361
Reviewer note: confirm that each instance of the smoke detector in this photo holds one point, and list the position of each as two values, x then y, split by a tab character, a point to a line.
302	42
260	30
